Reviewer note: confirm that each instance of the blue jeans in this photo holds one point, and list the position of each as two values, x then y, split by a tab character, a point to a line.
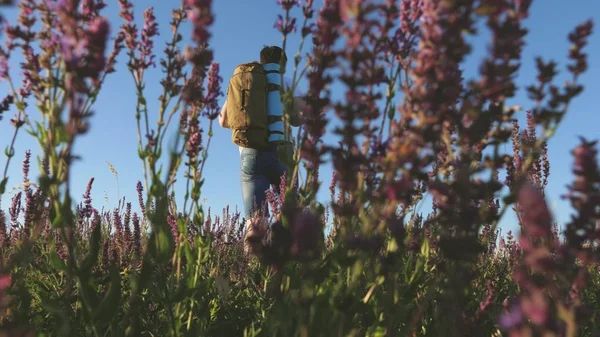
258	171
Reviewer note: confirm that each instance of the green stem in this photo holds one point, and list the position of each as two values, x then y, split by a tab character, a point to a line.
196	273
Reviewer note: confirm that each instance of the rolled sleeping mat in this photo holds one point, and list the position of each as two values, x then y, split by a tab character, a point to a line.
275	124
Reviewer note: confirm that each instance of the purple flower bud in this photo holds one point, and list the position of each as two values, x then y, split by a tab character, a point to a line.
3	64
91	8
125	11
535	216
3	231
286	26
146	45
579	39
118	226
172	221
97	37
535	306
584	196
137	245
140	190
288	4
194	142
5	104
201	17
26	166
512	317
87	198
305	232
15	210
213	92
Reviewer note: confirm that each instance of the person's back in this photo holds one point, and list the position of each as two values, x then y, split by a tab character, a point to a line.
260	166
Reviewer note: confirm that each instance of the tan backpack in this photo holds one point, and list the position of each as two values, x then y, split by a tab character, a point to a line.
247	106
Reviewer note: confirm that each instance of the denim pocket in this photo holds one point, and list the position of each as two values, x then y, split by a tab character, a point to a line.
248	163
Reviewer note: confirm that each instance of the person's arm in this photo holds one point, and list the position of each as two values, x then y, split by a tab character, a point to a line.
223	116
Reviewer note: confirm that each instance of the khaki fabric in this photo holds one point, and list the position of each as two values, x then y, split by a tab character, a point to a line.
247	106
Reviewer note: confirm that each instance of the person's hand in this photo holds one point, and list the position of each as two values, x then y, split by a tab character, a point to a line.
223	116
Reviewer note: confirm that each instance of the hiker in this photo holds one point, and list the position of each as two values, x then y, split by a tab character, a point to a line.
254	112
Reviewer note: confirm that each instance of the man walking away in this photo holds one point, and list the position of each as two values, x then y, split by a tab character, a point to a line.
253	111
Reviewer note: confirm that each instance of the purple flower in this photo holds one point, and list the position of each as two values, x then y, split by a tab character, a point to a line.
285	27
5	104
96	219
26	164
579	39
87	199
193	144
305	231
201	17
536	218
308	13
146	44
59	5
288	4
97	36
3	64
127	219
127	237
72	51
535	306
140	190
172	221
512	317
584	195
213	92
118	226
3	232
91	8
125	11
137	245
30	210
15	210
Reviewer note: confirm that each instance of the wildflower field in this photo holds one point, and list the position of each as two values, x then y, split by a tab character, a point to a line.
368	261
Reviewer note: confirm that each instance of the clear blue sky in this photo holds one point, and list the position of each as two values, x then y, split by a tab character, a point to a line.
239	32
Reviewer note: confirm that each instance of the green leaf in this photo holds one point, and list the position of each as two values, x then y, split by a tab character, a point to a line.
31	133
41	130
56	262
357	271
189	255
509	199
146	273
109	306
425	249
3	185
378	332
61	136
56	310
45	182
9	152
391	111
161	244
141	153
20	105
